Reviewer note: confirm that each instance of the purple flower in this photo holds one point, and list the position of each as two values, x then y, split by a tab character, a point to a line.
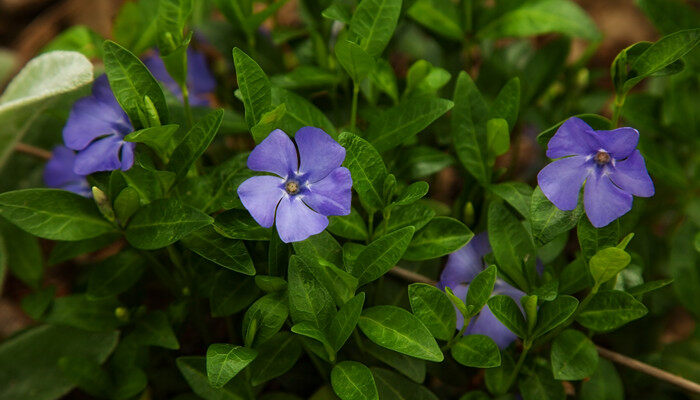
58	173
200	81
306	189
462	266
607	161
96	128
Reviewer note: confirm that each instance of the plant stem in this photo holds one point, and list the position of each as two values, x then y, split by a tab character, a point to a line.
519	364
353	111
456	337
188	109
32	151
617	109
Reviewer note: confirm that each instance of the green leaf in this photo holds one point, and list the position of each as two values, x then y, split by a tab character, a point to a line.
352	380
299	112
225	360
592	239
498	138
81	311
309	330
384	78
87	375
254	87
305	77
136	25
381	255
540	17
498	379
44	81
610	310
309	300
115	275
172	16
343	323
354	60
409	366
159	138
683	263
373	24
195	143
270	284
477	351
275	357
575	277
480	289
547	221
416	215
392	386
78	38
154	329
507	103
511	243
670	16
540	385
647	287
659	55
574	356
440	16
507	311
229	253
412	193
22	255
131	83
53	214
605	384
350	226
194	369
164	222
321	249
442	235
64	251
398	124
458	303
239	224
469	128
432	307
28	361
265	318
366	168
553	313
517	194
607	263
231	293
398	330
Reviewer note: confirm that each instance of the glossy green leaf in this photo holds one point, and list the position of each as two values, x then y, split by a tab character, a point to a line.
469	128
299	112
440	16
508	312
547	221
231	293
195	143
507	103
430	305
22	255
194	369
53	214
265	318
131	83
412	193
164	222
366	168
115	275
373	24
154	329
84	312
309	300
574	356
392	386
350	226
592	239
517	194
354	60
254	87
229	253
410	367
398	330
224	361
540	385
477	351
480	288
553	313
275	357
344	321
510	242
607	263
441	236
352	380
381	255
239	224
604	384
321	249
610	310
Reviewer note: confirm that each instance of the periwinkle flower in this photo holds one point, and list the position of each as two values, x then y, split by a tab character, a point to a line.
608	162
200	81
58	172
461	268
96	128
306	189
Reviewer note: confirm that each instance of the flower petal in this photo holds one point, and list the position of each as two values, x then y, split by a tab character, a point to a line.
561	180
631	176
260	196
487	324
127	155
331	195
620	143
157	68
574	137
93	116
199	78
296	221
604	202
100	155
59	169
464	264
319	153
275	154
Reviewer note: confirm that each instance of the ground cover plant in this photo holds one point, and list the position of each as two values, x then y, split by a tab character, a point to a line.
384	199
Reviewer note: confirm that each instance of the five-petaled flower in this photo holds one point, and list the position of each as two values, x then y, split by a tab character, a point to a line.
461	268
200	81
96	128
58	172
609	163
307	188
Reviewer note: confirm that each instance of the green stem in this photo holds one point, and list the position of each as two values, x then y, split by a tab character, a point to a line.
456	337
188	109
526	347
353	111
617	109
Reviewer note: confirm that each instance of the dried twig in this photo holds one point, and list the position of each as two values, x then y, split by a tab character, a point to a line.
610	355
32	151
